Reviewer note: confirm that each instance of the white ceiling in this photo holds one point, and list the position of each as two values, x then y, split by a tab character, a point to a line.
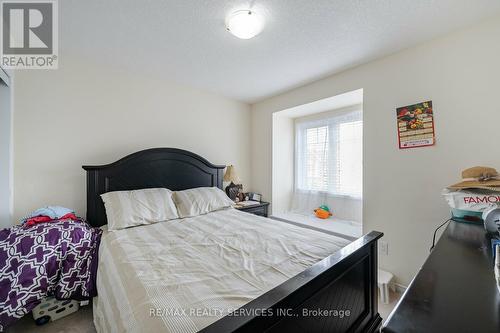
185	40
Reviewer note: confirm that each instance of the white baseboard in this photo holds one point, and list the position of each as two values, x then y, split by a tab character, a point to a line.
397	287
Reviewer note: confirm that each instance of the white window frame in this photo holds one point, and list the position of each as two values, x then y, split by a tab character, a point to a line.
332	120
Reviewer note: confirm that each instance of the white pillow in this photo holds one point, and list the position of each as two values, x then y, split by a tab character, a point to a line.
130	208
201	200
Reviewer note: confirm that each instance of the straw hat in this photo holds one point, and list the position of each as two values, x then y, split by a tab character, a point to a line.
479	177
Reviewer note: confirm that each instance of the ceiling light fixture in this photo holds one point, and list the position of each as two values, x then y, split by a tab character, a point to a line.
244	24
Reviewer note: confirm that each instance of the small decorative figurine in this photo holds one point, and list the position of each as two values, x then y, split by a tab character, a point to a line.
233	189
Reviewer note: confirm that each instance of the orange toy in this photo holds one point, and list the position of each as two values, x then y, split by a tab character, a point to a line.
322	214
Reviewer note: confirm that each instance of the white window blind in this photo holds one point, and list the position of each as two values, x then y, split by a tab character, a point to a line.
329	154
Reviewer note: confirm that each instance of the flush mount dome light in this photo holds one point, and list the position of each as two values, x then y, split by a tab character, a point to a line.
244	24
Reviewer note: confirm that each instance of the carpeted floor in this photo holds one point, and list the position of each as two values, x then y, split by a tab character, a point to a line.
386	309
78	322
82	322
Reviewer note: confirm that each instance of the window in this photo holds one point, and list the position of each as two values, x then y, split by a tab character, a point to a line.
316	177
329	154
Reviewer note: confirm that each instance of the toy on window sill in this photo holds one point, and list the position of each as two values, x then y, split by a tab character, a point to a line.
323	212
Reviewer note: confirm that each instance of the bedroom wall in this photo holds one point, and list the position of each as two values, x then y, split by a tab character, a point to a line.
460	74
283	162
84	113
5	153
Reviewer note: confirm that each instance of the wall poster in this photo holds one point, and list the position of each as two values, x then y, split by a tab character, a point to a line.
416	125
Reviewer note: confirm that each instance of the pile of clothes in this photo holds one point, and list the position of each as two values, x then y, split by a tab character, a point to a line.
48	214
52	253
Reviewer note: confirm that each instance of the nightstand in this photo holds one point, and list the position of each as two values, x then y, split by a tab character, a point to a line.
257	209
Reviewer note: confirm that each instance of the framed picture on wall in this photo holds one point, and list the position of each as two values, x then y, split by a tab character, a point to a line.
416	125
254	196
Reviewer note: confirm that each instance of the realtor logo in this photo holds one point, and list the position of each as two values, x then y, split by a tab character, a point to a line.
29	34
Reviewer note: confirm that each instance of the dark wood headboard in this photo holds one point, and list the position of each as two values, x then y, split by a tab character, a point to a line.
171	168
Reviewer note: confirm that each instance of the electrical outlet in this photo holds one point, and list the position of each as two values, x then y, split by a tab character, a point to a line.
383	248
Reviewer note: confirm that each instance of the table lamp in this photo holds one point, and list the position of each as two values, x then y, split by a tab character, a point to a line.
233	188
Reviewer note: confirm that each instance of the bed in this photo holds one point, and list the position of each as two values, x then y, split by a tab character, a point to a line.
225	271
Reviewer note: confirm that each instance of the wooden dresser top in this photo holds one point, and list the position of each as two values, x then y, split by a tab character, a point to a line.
455	290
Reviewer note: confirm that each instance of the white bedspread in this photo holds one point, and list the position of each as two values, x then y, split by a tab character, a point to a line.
182	275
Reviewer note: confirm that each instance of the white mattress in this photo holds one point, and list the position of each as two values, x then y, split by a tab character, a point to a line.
182	275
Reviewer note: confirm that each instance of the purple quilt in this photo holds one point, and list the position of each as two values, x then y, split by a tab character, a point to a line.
57	258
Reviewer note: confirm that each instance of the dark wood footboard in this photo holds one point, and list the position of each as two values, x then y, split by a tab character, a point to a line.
337	294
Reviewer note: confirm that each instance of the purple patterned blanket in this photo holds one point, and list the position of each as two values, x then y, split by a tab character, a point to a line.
57	258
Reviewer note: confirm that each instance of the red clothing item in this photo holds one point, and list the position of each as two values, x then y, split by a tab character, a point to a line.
42	219
69	216
37	219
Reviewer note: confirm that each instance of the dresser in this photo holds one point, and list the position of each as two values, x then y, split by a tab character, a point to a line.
455	290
